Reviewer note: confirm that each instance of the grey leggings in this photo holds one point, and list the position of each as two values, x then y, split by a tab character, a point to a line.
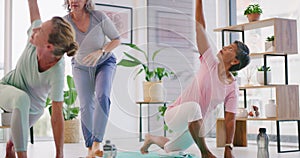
18	102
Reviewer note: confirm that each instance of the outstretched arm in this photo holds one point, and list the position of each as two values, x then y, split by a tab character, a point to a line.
230	129
202	41
57	122
34	10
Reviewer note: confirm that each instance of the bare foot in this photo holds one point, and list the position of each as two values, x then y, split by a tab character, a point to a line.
98	153
10	151
147	143
90	153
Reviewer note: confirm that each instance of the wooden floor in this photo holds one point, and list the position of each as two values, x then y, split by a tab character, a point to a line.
45	149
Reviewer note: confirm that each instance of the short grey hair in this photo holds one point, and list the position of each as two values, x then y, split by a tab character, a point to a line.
242	55
89	5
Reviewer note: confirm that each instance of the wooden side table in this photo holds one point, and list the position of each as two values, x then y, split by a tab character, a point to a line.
164	103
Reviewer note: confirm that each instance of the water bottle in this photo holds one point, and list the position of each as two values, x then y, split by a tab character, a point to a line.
262	144
109	150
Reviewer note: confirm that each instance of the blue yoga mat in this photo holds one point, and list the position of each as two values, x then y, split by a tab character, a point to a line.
151	155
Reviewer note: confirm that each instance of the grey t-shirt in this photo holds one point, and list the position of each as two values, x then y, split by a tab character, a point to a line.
95	37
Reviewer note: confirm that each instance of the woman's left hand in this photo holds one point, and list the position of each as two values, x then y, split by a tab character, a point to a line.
92	58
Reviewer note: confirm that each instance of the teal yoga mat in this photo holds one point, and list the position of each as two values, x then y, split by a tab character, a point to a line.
151	155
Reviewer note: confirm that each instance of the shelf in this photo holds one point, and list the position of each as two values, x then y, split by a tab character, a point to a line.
265	86
285	33
261	54
287	100
253	25
262	119
287	96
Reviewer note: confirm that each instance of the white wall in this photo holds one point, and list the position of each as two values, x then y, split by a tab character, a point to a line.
123	120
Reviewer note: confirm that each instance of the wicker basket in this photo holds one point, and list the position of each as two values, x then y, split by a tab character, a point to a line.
71	131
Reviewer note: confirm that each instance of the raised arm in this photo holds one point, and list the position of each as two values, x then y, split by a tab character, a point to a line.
201	38
34	10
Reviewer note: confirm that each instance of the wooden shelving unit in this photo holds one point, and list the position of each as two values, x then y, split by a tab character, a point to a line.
287	96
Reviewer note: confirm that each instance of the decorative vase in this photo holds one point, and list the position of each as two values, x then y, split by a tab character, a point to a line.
260	77
253	17
269	46
71	130
242	113
270	110
5	118
153	91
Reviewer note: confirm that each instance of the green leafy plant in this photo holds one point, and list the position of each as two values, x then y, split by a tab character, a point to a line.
270	38
156	74
263	68
234	73
253	8
162	110
70	111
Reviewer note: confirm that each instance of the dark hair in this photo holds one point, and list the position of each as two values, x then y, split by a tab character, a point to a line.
242	54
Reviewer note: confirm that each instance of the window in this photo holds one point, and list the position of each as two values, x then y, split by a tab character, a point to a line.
2	39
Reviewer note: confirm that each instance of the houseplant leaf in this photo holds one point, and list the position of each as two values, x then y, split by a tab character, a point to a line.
155	53
133	46
128	63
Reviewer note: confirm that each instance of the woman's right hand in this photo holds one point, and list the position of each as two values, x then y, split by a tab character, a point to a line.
92	58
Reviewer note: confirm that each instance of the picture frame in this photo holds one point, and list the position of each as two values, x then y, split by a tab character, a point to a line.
122	17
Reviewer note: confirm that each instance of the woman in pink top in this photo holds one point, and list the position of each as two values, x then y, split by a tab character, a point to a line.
213	85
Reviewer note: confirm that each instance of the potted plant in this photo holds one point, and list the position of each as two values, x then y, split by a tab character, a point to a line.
153	86
260	74
162	110
70	112
269	44
253	12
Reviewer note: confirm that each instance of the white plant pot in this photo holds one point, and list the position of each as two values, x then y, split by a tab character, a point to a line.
153	91
269	46
260	77
5	118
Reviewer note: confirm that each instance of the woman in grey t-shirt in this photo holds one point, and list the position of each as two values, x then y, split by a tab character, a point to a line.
93	68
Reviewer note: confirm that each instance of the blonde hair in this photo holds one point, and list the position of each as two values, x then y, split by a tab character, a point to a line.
89	5
62	37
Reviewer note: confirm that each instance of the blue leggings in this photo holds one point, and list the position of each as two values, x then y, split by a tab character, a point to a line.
93	86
